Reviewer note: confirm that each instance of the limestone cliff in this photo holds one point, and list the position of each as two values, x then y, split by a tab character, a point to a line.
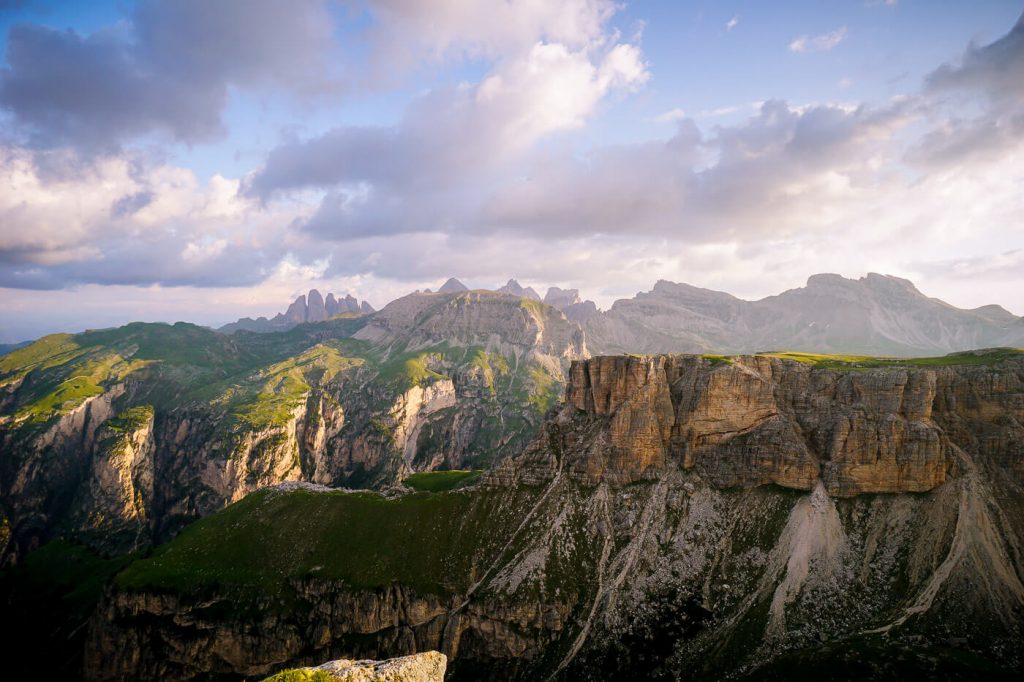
634	540
752	420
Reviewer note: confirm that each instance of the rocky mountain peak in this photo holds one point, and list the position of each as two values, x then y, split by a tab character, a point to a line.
452	286
315	308
310	307
561	298
475	318
513	287
296	312
569	302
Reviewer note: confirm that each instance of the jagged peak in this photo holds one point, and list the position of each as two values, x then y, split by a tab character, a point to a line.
558	297
516	289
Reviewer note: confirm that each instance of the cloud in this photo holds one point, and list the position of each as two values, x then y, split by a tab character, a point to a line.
461	131
821	43
995	70
166	71
113	221
1005	265
988	81
732	23
671	116
407	31
783	170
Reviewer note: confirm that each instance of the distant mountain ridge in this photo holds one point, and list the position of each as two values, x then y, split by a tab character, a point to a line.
873	315
311	307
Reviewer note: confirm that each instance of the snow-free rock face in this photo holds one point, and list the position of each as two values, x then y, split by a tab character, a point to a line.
476	318
873	315
117	501
752	420
569	302
516	289
426	667
311	307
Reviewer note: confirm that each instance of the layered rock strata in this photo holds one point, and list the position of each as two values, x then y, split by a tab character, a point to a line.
755	420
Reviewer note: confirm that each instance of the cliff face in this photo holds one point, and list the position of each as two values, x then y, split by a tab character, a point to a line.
433	381
748	421
633	539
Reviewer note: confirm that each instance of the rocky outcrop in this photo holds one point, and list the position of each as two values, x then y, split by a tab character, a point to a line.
513	288
753	420
452	286
425	667
118	495
569	302
411	411
311	307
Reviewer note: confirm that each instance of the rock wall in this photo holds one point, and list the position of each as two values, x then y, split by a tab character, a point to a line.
754	420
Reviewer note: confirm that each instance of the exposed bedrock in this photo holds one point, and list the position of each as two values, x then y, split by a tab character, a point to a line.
756	420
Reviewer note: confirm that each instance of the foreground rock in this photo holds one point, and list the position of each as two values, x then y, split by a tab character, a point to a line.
425	667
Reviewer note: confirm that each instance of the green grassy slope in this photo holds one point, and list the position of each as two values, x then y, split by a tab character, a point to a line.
987	356
427	541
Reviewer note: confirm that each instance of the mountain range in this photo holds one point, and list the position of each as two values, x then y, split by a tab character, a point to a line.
530	487
872	315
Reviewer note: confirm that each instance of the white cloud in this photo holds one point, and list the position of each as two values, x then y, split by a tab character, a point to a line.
671	116
732	23
409	30
820	43
115	219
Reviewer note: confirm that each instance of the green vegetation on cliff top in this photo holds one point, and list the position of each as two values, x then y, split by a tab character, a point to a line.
835	361
431	542
302	675
987	356
438	481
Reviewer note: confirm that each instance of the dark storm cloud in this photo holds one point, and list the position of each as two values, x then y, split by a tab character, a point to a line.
168	71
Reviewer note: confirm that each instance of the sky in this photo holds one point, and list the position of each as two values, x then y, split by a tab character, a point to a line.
202	160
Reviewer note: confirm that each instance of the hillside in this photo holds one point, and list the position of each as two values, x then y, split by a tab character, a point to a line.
120	437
